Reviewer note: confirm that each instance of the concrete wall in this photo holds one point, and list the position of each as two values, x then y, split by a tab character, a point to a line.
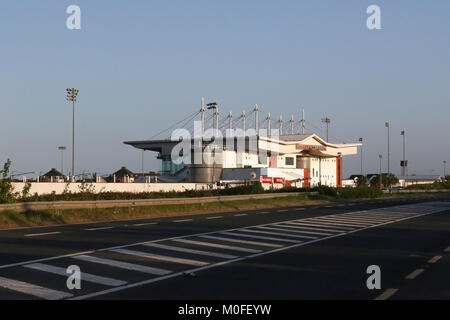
58	188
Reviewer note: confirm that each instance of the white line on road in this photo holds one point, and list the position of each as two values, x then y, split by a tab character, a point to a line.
144	224
34	290
216	245
414	274
281	228
123	265
386	294
84	276
240	215
218	217
41	234
100	228
200	252
287	225
183	220
282	210
278	234
264	212
321	224
434	259
264	244
258	237
160	257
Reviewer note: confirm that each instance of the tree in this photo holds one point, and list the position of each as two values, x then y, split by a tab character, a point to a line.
6	187
361	181
386	179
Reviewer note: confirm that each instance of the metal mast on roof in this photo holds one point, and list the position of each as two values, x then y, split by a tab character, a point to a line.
292	124
230	120
303	121
243	120
268	124
202	110
256	118
281	125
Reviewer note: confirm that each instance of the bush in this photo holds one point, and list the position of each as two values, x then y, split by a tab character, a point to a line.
360	192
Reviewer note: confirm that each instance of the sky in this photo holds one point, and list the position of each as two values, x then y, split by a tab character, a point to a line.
143	65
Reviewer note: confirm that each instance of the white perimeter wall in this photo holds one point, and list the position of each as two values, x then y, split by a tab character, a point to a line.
58	188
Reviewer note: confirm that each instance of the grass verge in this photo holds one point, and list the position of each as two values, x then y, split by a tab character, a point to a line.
9	219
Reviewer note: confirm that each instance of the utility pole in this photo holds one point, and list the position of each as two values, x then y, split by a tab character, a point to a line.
444	162
72	94
243	121
281	125
268	124
230	120
327	121
143	163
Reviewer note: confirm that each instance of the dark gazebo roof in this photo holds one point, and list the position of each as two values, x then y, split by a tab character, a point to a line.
123	172
53	173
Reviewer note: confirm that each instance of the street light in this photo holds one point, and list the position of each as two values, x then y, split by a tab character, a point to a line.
404	163
62	148
444	162
72	94
380	156
389	153
361	140
327	121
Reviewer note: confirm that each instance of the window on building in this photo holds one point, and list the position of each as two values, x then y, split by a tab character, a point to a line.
289	161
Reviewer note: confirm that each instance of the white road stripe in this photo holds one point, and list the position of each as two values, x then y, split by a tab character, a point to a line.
264	244
216	245
95	229
183	220
321	224
282	210
258	237
84	276
286	224
123	265
240	215
414	274
337	223
434	259
200	252
277	234
345	222
34	290
386	294
295	231
41	234
218	217
160	257
144	224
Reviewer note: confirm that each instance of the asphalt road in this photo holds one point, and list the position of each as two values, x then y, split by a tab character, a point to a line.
303	252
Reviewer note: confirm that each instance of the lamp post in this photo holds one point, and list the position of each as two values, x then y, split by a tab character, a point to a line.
388	146
404	163
444	162
327	121
379	176
62	148
361	140
72	94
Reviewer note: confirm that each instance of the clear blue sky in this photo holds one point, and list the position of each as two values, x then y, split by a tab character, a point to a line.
141	65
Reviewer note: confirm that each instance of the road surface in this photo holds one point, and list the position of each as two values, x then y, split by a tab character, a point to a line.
302	252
